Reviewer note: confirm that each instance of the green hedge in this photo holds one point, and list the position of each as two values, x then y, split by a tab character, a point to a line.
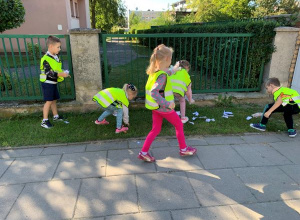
260	48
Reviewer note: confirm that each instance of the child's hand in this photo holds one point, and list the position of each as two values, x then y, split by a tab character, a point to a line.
176	67
172	105
267	114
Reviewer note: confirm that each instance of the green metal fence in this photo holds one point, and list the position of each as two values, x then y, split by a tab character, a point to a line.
20	67
219	62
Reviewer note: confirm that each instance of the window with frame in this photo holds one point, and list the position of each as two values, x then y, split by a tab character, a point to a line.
72	8
76	10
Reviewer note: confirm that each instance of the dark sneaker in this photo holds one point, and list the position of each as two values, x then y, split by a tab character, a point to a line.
46	124
292	133
59	118
258	126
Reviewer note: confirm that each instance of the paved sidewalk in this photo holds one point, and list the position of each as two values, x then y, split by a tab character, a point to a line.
252	176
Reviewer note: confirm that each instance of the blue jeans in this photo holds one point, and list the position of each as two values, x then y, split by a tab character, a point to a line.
110	110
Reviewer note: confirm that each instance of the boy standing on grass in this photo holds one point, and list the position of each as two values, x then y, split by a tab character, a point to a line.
51	74
286	100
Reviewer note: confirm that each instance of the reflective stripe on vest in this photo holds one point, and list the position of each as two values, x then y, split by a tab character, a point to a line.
180	81
150	103
108	96
287	94
55	66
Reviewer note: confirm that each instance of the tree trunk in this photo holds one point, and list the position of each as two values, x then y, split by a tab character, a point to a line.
93	13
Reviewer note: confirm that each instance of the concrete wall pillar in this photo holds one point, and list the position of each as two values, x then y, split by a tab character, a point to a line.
280	63
86	63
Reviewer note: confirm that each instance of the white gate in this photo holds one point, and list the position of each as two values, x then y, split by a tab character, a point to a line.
296	77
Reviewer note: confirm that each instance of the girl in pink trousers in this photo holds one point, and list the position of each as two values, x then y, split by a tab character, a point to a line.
160	99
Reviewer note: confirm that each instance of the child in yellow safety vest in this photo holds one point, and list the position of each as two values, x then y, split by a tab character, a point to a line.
182	85
160	100
286	100
116	100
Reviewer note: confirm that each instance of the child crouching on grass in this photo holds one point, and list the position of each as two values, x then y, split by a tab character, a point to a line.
116	100
286	100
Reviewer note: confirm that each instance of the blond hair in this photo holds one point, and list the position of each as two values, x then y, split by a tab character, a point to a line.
159	53
130	89
274	81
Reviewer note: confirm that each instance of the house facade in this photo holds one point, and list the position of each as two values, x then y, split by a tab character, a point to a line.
53	17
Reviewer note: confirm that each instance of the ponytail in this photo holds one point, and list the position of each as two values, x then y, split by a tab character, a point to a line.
159	53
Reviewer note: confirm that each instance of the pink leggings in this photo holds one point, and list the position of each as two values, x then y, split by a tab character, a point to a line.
157	118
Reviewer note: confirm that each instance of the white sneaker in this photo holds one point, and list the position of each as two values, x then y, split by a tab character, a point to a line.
184	120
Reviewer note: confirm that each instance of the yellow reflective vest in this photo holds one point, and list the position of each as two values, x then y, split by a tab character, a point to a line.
180	81
287	96
110	96
150	103
55	66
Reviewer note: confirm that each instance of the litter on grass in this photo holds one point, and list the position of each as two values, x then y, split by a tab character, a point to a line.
257	114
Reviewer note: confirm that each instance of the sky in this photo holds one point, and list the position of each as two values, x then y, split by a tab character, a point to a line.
144	5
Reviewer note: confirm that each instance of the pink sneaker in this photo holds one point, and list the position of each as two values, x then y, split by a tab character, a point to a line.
103	122
122	129
148	158
189	151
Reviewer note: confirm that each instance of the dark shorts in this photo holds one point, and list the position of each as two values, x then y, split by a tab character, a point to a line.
50	92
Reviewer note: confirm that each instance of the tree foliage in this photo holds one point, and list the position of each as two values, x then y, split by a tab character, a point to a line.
12	14
136	22
107	13
216	10
276	7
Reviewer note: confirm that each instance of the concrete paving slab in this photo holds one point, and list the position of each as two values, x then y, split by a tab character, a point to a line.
107	196
158	142
268	183
46	200
260	155
220	156
81	165
126	162
165	191
293	204
260	138
142	216
292	171
4	164
168	159
30	169
291	150
219	187
215	140
136	143
109	145
265	211
63	149
8	195
285	137
31	152
189	141
211	213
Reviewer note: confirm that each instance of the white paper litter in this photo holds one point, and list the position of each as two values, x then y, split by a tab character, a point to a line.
196	113
257	114
66	122
248	118
202	117
194	118
209	119
178	112
227	114
191	122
